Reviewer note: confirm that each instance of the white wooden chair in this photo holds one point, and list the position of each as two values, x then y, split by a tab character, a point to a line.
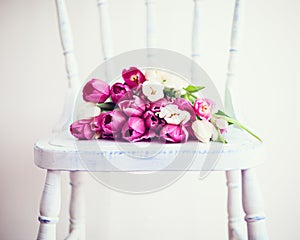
237	159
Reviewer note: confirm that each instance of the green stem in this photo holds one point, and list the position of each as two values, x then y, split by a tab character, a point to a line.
235	122
192	95
220	137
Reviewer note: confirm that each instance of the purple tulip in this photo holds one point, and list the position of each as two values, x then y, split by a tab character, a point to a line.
113	121
149	134
134	107
96	91
82	129
174	133
185	105
133	129
120	91
96	123
133	77
152	121
191	134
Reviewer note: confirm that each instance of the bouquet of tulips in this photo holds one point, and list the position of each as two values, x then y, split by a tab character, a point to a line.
151	105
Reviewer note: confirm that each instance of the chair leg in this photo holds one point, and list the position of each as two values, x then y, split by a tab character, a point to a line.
253	206
77	207
50	206
236	225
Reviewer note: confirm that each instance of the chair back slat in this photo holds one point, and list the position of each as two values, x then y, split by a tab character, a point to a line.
105	29
106	37
67	43
70	64
233	57
151	26
196	32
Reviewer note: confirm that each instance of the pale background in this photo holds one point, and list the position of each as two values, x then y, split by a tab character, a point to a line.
32	93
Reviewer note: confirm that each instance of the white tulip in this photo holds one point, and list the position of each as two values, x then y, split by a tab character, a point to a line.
173	115
221	123
153	91
203	130
152	75
87	110
167	79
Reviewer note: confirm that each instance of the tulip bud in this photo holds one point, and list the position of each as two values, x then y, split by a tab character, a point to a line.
203	130
82	129
96	91
174	133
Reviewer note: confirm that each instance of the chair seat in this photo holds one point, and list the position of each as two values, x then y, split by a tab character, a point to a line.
63	152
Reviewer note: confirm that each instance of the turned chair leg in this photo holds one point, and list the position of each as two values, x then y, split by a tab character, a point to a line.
77	207
253	206
236	225
50	206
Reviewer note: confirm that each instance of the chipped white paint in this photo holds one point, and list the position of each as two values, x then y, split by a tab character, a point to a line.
253	206
236	224
66	153
60	151
77	206
50	206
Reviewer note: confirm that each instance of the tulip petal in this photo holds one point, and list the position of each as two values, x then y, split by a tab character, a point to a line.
203	130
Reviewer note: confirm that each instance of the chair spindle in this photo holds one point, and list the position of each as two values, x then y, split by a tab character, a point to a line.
50	206
105	29
77	206
70	64
196	32
151	26
236	224
253	206
233	57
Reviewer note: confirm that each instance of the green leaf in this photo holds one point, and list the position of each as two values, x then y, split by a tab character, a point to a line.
106	106
223	115
193	89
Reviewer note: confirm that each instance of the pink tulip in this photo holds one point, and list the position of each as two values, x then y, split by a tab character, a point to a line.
156	106
133	77
120	91
82	129
96	91
113	121
204	108
133	129
134	107
174	133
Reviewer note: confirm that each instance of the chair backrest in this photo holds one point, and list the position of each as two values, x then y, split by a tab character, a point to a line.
106	41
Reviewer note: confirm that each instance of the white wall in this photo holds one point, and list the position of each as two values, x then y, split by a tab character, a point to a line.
32	93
